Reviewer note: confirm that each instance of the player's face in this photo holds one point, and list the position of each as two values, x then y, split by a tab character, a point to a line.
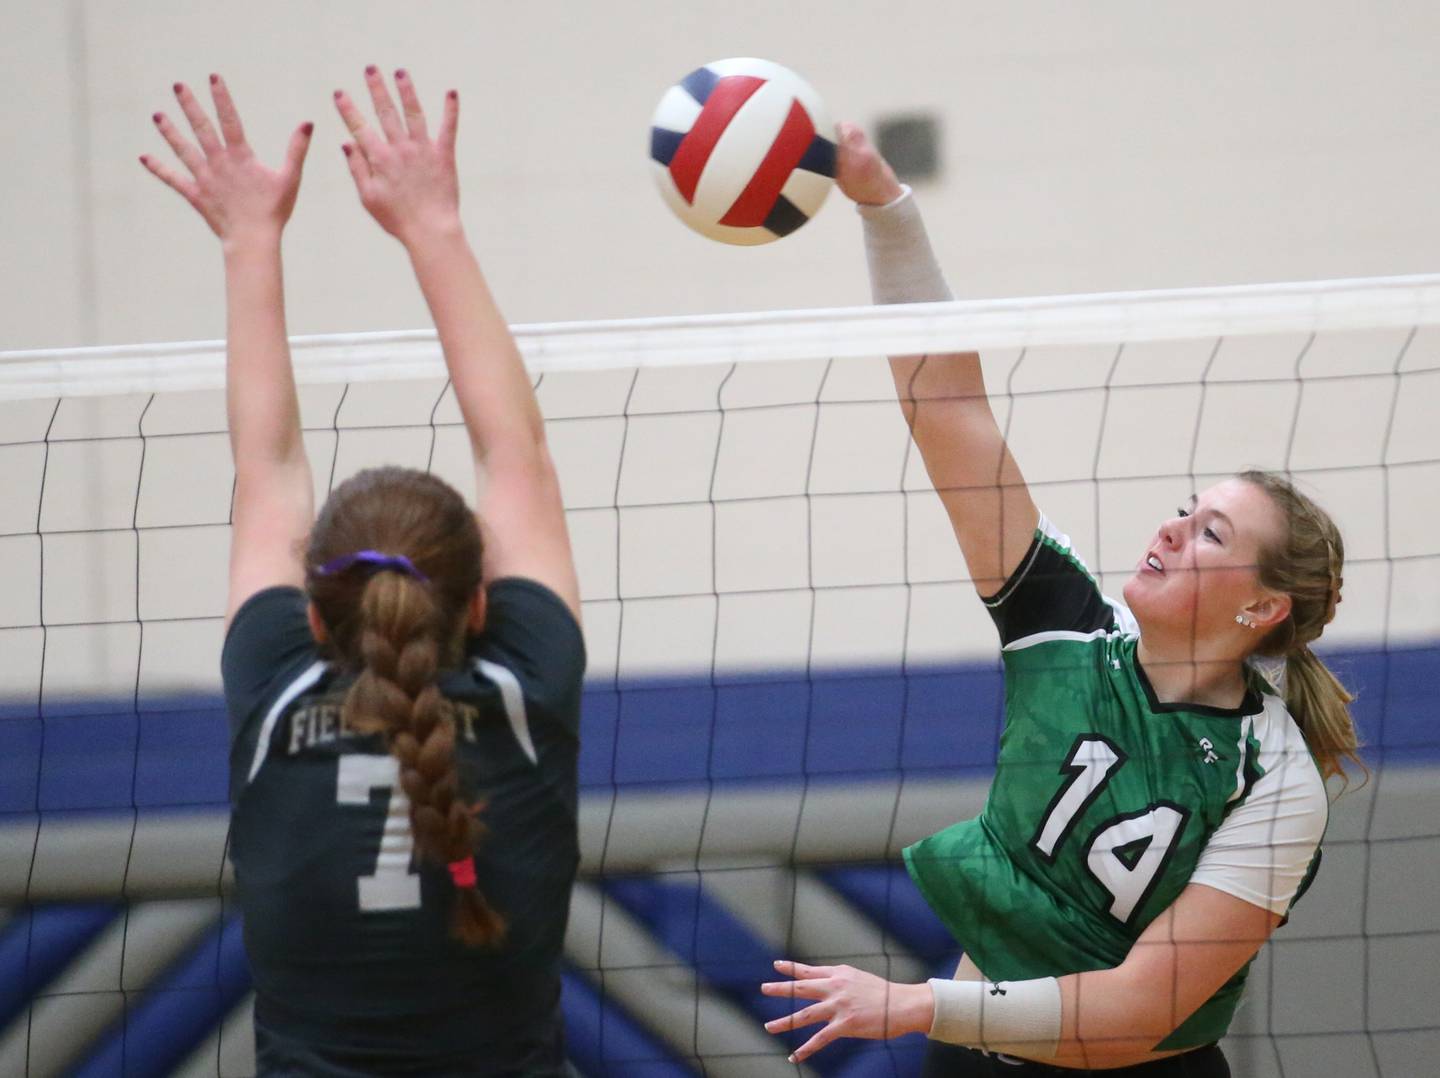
1199	569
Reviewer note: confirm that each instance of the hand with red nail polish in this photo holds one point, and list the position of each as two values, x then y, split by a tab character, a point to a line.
405	178
239	197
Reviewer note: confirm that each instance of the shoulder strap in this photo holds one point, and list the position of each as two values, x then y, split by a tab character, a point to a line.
308	677
513	698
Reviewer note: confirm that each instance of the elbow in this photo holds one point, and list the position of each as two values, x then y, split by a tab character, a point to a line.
1115	1017
1146	1008
283	467
527	459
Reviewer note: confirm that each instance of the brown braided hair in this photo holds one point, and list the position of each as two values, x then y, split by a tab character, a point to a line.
397	632
1307	566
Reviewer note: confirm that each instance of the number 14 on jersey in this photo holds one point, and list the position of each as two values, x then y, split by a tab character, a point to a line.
1126	853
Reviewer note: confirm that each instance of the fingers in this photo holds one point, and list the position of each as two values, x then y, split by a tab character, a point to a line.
359	167
384	104
822	1037
449	121
199	122
410	102
816	1012
365	138
800	971
297	148
225	112
394	126
170	178
851	134
184	149
809	989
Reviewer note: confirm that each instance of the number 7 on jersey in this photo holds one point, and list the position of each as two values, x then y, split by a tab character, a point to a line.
392	886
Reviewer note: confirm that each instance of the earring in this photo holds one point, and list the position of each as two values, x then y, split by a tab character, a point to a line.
1243	620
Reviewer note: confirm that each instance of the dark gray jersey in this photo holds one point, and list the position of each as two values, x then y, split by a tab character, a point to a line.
347	932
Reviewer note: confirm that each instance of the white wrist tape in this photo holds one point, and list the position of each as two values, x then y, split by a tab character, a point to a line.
1016	1017
902	265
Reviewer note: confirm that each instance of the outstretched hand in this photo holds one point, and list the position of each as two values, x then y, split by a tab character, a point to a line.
227	185
860	172
851	1003
405	178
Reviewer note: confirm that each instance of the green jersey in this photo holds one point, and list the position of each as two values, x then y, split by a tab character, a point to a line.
1107	803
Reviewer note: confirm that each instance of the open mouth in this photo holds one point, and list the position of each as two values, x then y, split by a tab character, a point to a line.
1154	563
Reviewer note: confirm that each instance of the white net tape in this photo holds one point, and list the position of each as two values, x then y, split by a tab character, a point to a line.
1310	307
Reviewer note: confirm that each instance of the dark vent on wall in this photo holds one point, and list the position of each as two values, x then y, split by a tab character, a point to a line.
911	144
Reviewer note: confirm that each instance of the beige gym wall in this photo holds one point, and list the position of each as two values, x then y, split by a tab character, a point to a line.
1086	147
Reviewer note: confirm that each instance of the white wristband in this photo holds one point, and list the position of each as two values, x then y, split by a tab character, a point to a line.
1017	1017
902	265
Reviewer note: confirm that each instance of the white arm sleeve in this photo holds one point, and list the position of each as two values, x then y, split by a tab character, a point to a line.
1263	849
897	250
1013	1016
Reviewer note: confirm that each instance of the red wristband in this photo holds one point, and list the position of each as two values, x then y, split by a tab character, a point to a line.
462	872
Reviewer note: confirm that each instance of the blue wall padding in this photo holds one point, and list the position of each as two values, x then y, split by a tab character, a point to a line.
748	742
1406	724
183	758
773	728
20	765
39	942
603	1041
885	894
88	761
729	957
899	1058
952	719
856	726
178	1011
662	734
598	710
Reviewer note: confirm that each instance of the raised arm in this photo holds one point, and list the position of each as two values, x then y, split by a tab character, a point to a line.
407	181
1100	1019
943	396
247	206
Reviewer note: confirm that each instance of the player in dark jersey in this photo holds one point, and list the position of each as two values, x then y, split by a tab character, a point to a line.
402	675
1158	804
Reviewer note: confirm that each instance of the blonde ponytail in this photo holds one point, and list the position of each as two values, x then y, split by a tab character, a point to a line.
1307	566
1319	703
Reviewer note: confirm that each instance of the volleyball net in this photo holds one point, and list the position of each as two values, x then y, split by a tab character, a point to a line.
790	678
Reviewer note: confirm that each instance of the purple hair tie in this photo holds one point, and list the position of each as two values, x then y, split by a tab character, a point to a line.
375	561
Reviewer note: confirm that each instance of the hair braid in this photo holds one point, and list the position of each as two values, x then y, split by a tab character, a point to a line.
396	694
399	631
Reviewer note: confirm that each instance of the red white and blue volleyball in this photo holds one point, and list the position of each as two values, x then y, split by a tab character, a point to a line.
743	150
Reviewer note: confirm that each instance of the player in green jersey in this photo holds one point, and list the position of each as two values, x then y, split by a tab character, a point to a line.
1158	805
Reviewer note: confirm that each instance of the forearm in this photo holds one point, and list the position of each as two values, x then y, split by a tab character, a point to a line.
944	400
491	383
903	269
1110	1020
1098	1019
1042	1018
1116	1017
946	407
263	409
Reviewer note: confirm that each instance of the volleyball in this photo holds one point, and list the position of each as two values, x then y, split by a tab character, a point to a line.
743	150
